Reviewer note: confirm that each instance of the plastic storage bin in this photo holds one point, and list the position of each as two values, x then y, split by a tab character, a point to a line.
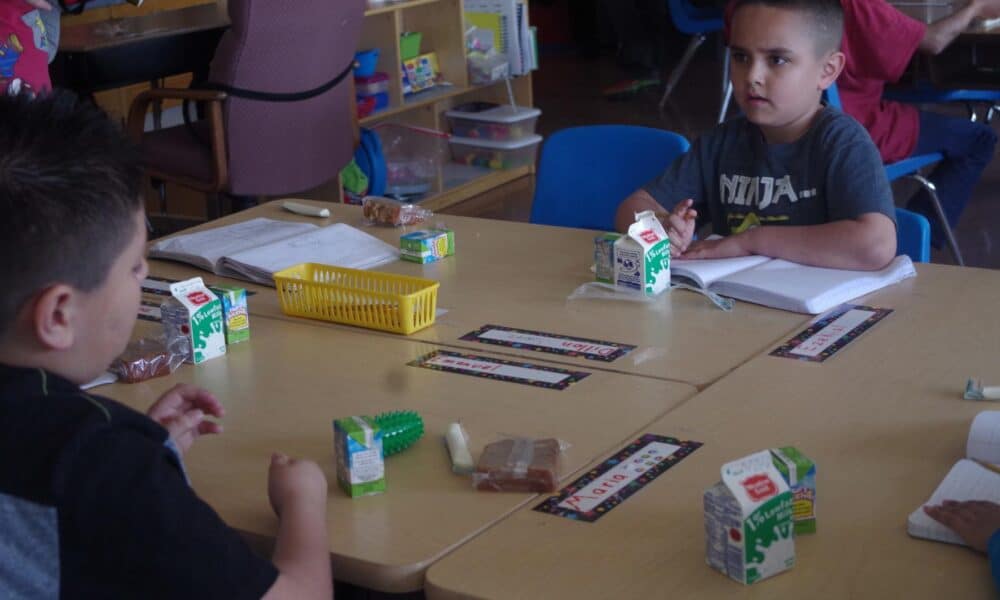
369	86
365	62
488	121
394	303
495	155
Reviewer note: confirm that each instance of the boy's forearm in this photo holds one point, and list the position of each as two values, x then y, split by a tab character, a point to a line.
302	553
864	244
941	33
638	201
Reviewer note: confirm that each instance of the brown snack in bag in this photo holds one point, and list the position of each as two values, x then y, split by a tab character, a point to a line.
386	211
519	465
142	359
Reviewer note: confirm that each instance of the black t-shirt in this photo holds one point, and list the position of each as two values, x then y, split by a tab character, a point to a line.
95	504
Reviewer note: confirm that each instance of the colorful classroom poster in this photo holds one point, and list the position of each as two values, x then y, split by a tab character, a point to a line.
553	343
501	370
830	332
604	487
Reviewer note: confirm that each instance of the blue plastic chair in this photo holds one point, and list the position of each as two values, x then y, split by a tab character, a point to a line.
585	172
910	167
697	22
913	235
925	93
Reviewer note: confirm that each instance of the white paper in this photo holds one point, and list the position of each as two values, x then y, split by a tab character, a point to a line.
482	366
967	480
838	328
984	437
800	288
705	272
205	248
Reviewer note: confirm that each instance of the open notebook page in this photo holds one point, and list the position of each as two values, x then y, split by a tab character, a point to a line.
800	288
984	437
967	480
704	272
204	248
337	245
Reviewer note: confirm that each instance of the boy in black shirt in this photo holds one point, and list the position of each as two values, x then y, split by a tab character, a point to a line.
93	497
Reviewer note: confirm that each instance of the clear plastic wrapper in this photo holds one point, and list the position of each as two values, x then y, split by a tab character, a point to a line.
147	358
392	213
519	465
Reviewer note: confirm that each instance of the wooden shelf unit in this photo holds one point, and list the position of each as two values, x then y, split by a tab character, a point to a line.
442	26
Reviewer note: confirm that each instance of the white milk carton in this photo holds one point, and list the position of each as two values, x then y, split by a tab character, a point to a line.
748	520
195	313
642	258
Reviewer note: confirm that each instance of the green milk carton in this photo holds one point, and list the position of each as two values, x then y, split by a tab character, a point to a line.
748	520
799	472
195	313
360	463
604	257
235	314
642	258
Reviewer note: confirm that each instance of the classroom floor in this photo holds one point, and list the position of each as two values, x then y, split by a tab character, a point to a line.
568	90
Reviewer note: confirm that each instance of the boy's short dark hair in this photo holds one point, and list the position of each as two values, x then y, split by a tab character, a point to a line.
827	17
69	193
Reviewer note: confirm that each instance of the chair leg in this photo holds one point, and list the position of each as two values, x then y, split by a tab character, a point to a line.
675	75
725	102
948	233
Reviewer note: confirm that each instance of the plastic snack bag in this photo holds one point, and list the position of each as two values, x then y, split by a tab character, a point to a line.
519	465
392	213
147	358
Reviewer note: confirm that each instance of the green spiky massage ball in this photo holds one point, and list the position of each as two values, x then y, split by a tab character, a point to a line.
400	430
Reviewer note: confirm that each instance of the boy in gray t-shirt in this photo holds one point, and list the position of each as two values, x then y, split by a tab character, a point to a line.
792	179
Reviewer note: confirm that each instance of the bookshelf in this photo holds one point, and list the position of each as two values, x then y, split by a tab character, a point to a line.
442	25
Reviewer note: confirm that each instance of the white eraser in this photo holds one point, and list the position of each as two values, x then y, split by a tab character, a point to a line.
458	447
305	209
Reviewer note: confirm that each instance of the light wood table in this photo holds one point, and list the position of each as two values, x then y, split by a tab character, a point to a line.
283	388
884	421
519	275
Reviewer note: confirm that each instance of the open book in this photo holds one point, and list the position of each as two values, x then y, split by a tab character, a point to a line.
786	285
975	477
254	250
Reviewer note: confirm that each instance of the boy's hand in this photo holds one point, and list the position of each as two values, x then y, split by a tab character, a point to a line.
975	521
726	247
679	224
40	4
182	411
291	480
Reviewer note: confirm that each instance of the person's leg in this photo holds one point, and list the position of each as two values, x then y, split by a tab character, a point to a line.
967	148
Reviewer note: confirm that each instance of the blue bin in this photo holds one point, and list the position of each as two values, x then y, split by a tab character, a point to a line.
366	61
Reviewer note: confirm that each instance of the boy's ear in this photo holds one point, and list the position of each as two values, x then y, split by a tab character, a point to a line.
53	316
831	69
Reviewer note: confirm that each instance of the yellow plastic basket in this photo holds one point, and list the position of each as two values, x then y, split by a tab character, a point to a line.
383	301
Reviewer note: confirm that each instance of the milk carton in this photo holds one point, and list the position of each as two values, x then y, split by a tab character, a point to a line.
748	520
360	466
604	256
195	313
235	314
800	475
642	258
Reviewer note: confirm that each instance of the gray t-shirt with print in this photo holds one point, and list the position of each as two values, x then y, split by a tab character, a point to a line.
738	180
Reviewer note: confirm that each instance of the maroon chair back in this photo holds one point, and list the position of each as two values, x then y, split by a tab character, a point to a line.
287	47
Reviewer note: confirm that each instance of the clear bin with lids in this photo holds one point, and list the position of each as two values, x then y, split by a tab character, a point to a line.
495	154
489	121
